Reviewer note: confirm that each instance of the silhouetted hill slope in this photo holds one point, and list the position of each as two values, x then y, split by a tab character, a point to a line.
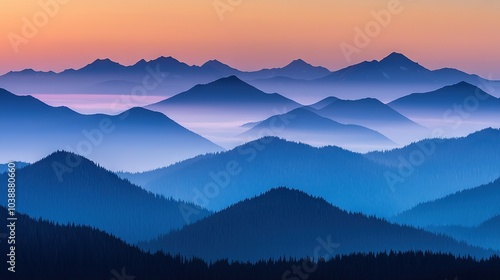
49	251
484	235
67	188
172	76
387	79
253	168
433	168
306	126
373	114
225	97
382	183
223	69
395	68
440	100
297	69
137	139
456	110
468	208
74	252
323	103
290	223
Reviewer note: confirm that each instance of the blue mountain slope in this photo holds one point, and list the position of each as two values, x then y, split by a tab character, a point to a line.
306	126
288	223
66	188
136	139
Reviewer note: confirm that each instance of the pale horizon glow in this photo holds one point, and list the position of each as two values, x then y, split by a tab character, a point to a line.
88	104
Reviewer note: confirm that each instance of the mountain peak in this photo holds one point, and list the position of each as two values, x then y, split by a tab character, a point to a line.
463	84
299	62
105	64
232	79
168	59
397	58
104	61
462	88
213	62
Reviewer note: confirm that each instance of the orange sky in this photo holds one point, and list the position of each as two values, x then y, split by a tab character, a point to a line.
254	34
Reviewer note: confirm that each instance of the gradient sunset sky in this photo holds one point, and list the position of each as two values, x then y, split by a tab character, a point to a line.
254	34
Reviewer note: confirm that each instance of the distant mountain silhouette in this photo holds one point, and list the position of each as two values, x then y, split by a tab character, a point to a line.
457	109
297	69
373	114
178	76
288	223
484	235
329	172
137	139
433	168
395	67
66	188
308	127
77	252
382	183
467	208
55	251
250	124
103	66
444	98
387	79
218	100
323	103
223	69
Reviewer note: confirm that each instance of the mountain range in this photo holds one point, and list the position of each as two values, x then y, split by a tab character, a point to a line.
392	77
216	181
303	125
288	223
75	249
391	181
373	114
484	235
217	109
224	97
172	76
387	79
456	109
67	188
468	208
137	139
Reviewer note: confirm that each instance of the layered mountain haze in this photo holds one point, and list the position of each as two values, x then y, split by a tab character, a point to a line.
288	223
169	75
137	139
300	124
433	168
66	188
373	114
216	181
224	104
484	235
356	172
387	79
64	242
454	110
391	181
468	208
